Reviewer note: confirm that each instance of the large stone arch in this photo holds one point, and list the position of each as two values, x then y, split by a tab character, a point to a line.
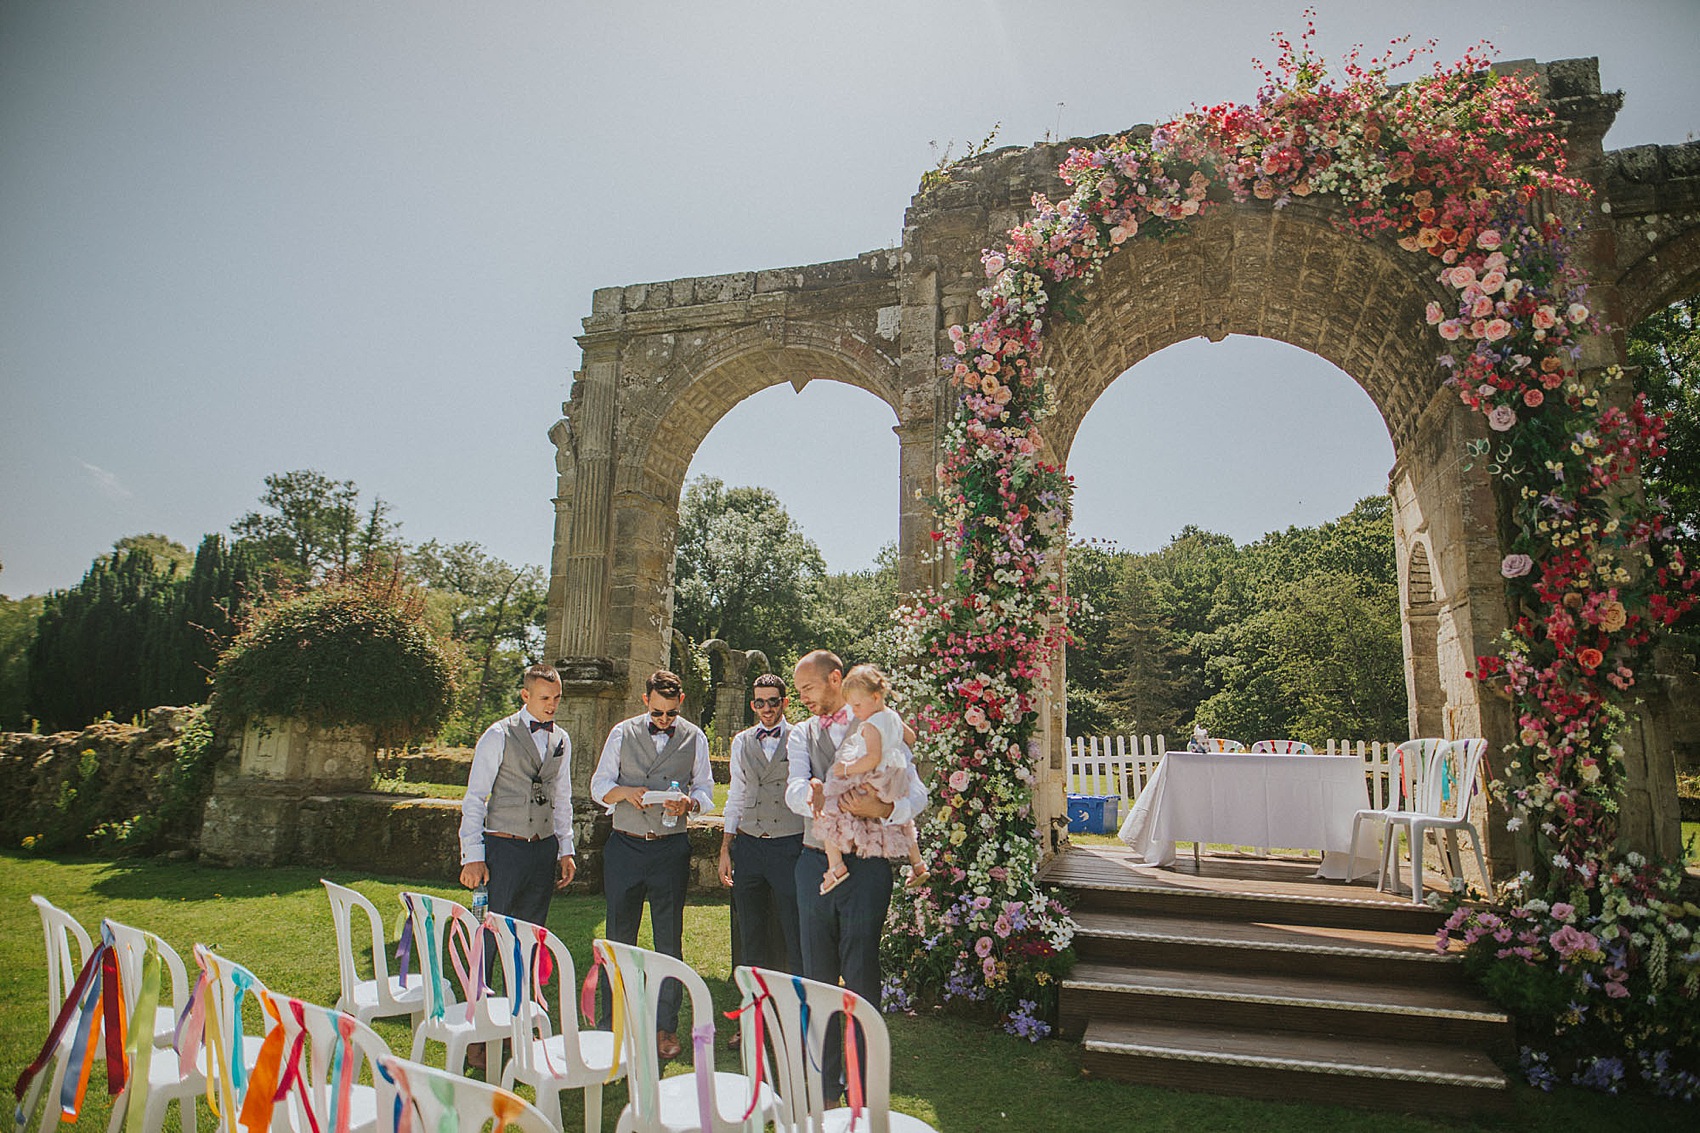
663	361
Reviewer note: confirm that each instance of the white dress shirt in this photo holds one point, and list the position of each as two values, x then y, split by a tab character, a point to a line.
738	788
487	760
607	774
801	770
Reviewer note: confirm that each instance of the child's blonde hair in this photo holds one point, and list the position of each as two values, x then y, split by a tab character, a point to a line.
869	679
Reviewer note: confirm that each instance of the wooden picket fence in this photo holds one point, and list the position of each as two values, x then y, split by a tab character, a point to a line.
1123	764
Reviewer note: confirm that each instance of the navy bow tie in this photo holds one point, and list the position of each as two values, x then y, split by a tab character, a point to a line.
763	733
654	731
542	725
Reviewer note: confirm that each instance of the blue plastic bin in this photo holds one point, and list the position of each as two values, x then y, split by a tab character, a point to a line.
1093	814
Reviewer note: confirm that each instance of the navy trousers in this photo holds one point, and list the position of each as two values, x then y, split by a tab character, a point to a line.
841	940
764	893
635	870
522	876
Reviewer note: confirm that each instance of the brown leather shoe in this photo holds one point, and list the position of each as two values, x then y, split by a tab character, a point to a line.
667	1045
475	1057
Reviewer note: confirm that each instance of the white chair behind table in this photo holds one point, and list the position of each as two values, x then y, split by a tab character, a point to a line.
444	933
798	1070
233	994
439	1100
672	1105
383	995
1442	804
570	1060
1411	759
1282	747
1220	745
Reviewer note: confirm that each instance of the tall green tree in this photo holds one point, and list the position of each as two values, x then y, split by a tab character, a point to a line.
855	608
18	618
312	526
493	610
744	571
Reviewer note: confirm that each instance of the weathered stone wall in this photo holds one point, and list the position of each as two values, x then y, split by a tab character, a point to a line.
91	789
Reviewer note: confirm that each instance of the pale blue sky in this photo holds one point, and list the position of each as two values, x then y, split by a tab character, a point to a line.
240	237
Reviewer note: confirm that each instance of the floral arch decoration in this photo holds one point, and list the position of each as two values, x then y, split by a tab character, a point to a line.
1463	166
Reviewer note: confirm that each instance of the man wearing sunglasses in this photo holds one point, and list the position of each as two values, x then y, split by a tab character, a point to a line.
646	858
758	853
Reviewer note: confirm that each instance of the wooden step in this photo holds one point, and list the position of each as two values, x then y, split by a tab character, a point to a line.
1284	1065
1441	1013
1347	910
1323	951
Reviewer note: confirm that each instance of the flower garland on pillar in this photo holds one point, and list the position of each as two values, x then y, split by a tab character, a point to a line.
1462	167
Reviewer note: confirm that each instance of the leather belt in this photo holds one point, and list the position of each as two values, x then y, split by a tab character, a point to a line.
650	835
517	837
797	834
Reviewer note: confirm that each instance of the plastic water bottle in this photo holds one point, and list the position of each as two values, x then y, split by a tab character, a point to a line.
480	901
668	818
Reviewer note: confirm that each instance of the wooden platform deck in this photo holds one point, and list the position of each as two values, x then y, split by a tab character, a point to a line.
1254	977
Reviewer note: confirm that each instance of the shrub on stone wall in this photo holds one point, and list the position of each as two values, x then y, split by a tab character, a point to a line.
127	788
356	652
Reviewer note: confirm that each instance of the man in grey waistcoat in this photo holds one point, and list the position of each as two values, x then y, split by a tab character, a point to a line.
516	821
840	930
758	852
647	858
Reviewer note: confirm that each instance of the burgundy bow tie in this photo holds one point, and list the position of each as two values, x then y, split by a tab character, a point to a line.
828	719
763	733
667	731
542	725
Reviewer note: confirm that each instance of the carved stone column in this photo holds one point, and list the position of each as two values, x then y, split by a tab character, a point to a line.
732	689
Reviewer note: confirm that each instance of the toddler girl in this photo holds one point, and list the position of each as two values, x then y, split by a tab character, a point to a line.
873	755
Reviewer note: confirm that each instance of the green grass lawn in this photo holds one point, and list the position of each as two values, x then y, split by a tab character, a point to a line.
1691	840
955	1074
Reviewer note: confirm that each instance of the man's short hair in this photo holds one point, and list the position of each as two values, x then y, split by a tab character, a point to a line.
823	662
771	680
540	674
664	682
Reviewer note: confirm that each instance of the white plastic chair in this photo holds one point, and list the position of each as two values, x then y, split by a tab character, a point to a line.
442	934
1443	805
59	929
322	1030
1282	747
782	997
440	1100
570	1060
672	1105
383	995
228	989
1216	744
1411	759
167	1079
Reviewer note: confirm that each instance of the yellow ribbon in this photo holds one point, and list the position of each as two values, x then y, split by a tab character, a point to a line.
138	1044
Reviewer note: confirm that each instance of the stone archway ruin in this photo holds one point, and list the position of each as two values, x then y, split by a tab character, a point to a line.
663	362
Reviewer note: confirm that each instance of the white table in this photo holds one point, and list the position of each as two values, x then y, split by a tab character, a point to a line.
1285	801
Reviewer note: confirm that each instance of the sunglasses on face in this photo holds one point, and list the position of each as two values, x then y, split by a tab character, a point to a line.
663	713
768	701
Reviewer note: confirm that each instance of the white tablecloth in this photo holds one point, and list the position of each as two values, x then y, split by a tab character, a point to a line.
1281	801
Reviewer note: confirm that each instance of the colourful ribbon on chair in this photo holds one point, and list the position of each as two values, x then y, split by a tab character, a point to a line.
138	1044
293	1076
112	1011
218	1077
753	1001
342	1070
266	1085
535	980
430	966
471	972
190	1034
702	1065
404	948
852	1058
616	1000
89	976
403	1112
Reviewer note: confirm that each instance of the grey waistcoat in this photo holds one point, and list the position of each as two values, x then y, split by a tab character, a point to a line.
511	810
642	766
821	753
765	813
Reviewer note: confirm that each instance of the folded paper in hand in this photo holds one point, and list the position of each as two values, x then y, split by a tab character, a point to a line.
650	798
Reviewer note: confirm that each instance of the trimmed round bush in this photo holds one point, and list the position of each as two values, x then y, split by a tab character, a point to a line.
354	653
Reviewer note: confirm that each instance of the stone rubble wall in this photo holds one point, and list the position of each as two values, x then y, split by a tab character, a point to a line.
61	789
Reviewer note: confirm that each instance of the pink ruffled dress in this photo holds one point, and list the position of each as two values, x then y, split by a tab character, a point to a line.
869	837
